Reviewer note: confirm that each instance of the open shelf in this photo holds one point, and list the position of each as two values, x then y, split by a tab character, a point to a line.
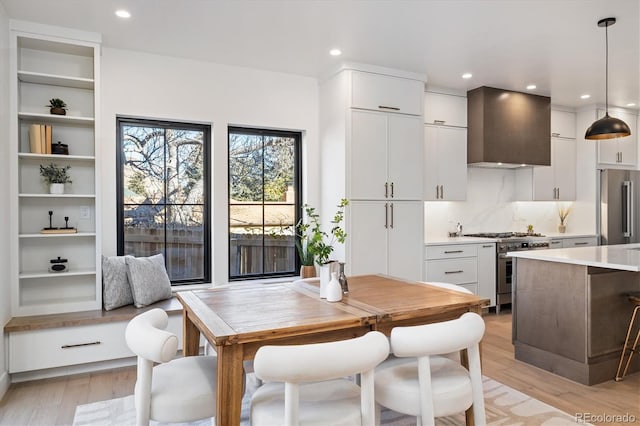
47	274
55	80
56	119
75	235
29	156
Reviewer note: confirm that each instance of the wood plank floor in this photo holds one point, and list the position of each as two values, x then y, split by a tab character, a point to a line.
53	401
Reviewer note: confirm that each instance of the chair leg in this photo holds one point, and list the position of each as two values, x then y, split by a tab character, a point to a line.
632	349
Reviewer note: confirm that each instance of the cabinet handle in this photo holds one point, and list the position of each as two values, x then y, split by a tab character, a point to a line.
453	251
438	121
558	189
388	107
454	272
386	190
386	215
487	246
580	244
442	192
621	157
555	135
391	189
437	192
80	344
391	207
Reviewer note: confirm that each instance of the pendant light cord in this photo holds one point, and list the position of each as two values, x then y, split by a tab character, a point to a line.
606	71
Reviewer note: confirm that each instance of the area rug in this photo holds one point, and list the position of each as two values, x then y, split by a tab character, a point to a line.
504	406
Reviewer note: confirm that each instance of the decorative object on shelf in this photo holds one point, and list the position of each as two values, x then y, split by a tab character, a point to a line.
57	106
530	230
563	212
55	177
607	127
60	148
40	138
343	280
334	290
53	230
58	265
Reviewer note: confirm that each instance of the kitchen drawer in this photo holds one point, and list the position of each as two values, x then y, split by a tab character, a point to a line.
579	242
451	251
454	271
555	243
386	93
58	347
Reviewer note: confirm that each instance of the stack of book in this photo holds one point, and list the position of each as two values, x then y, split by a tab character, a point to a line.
40	139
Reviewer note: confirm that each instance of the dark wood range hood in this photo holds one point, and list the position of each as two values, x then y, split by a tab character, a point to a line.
508	129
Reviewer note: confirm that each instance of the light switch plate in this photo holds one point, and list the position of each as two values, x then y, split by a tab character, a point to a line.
85	212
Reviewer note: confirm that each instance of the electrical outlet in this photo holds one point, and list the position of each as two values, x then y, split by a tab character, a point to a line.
85	212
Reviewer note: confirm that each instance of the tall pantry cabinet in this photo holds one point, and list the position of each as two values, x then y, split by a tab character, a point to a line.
49	62
371	142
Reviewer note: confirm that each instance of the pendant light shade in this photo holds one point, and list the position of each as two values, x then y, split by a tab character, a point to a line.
607	127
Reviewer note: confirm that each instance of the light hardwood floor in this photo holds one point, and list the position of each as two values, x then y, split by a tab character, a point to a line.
53	401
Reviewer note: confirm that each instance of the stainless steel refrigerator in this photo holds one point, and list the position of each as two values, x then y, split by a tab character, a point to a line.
619	206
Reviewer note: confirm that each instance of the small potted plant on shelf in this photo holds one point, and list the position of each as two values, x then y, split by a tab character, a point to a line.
563	212
57	106
55	177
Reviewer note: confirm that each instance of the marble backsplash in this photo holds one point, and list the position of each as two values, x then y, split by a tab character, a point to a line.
490	207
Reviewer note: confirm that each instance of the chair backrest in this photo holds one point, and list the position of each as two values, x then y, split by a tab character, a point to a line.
422	341
323	361
147	338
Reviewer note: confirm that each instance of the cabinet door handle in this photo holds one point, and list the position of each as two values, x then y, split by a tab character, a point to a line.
580	244
454	272
391	207
389	107
391	189
442	192
453	251
555	135
437	192
487	246
439	121
386	215
77	345
558	189
386	190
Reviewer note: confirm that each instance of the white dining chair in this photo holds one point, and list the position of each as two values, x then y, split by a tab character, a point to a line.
426	385
176	390
309	384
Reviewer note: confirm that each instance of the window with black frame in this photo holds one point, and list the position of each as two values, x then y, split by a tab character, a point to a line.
163	184
264	202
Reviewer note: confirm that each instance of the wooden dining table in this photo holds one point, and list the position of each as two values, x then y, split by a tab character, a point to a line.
238	319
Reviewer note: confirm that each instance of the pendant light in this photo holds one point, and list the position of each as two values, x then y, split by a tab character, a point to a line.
607	127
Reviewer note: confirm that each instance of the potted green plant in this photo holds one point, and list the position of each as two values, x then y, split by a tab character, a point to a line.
57	106
55	177
315	245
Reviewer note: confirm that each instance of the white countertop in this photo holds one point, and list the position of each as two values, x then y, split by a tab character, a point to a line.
624	257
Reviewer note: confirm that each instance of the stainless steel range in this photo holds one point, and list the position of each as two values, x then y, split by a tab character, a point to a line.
506	242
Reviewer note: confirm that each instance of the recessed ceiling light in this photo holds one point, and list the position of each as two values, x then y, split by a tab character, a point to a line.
467	75
631	104
123	14
335	52
585	96
531	87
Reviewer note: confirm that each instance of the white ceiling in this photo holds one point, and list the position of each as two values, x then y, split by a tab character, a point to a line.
554	44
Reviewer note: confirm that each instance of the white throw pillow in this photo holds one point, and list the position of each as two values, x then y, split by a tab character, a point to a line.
148	279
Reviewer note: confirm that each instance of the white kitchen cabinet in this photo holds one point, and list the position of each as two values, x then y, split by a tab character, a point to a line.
386	93
445	109
570	242
619	152
556	182
445	163
385	160
385	238
563	124
374	157
472	266
47	65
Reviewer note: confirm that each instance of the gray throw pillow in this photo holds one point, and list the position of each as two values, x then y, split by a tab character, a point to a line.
148	279
116	291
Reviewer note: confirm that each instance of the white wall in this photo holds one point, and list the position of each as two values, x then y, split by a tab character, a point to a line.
490	207
5	290
138	84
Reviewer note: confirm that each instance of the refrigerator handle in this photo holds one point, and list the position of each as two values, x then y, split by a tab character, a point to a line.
627	208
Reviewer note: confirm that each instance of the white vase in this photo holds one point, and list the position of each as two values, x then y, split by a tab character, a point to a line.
325	277
56	188
334	289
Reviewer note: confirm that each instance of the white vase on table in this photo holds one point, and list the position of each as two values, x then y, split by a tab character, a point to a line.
334	289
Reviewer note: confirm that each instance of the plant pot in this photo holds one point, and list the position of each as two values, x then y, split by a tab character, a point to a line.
307	271
56	188
562	228
57	111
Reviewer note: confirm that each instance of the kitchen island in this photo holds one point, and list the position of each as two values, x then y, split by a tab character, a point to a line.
570	310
